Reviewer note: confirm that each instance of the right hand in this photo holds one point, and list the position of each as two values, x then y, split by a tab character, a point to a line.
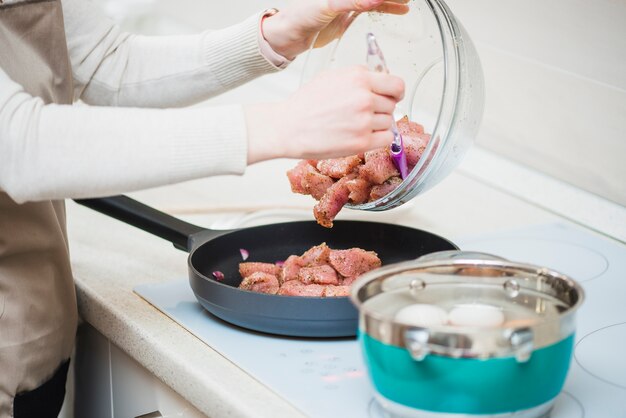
342	112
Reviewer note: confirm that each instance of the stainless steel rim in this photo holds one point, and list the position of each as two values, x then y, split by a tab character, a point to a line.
471	342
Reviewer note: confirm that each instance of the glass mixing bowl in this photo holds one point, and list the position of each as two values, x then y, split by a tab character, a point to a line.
435	56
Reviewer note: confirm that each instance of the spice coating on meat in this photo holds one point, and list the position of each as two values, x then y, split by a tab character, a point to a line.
297	288
331	203
247	268
359	190
338	167
414	148
315	256
295	176
406	127
323	179
381	190
319	272
260	282
291	267
336	291
347	281
315	183
378	166
353	262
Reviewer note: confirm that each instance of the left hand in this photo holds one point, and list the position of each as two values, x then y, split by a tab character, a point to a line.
293	29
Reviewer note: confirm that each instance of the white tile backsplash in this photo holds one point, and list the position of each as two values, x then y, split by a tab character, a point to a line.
583	37
567	126
555	75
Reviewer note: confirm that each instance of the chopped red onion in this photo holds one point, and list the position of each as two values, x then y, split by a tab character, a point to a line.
219	276
244	253
280	263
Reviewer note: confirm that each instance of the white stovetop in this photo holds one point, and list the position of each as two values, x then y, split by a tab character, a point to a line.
110	259
303	371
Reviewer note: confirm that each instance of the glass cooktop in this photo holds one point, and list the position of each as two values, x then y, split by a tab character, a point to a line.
332	369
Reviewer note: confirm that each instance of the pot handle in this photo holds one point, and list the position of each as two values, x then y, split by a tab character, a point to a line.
420	342
132	212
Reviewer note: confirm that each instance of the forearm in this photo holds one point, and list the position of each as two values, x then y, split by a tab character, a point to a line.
114	68
56	152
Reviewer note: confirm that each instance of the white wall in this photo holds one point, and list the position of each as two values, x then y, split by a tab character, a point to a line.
555	74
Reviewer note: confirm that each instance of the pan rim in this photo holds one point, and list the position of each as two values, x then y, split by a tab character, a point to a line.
287	297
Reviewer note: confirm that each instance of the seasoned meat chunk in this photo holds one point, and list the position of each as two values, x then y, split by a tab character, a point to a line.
347	281
331	203
381	190
315	256
406	127
378	166
291	267
336	291
324	274
296	175
414	147
413	138
353	262
260	282
338	167
359	190
319	272
323	179
297	288
315	183
247	268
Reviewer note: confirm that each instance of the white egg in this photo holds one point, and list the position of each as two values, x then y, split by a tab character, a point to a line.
422	315
476	315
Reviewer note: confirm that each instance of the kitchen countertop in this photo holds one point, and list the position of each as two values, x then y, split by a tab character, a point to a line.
110	258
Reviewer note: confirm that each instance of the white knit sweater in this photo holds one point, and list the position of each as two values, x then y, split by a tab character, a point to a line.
124	139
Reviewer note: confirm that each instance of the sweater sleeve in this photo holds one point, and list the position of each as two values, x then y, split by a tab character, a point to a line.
114	68
61	151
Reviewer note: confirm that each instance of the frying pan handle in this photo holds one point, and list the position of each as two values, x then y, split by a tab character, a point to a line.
132	212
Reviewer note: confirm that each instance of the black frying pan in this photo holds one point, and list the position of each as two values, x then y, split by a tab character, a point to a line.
285	315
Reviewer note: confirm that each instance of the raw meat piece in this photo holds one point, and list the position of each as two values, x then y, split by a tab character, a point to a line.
406	127
295	176
260	282
315	256
297	288
318	274
381	190
366	171
353	262
336	291
359	190
347	281
331	203
247	268
378	166
338	167
315	183
291	267
414	147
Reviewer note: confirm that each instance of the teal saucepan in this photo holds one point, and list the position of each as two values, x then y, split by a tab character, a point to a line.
458	334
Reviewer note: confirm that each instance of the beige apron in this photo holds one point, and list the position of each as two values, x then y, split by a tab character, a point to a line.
37	298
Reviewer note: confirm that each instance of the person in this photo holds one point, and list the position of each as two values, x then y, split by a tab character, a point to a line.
133	131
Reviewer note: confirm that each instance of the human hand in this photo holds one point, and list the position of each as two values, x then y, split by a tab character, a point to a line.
293	29
341	112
